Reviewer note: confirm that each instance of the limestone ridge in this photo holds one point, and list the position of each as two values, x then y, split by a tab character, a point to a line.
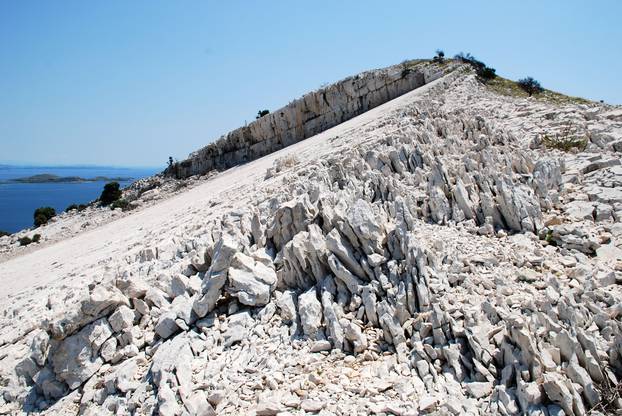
434	260
309	115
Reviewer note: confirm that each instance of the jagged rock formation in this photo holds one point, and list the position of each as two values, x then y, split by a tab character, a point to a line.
309	115
435	261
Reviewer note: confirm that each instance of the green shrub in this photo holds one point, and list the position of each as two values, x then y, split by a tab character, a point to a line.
111	192
262	113
4	233
565	143
121	203
24	241
42	215
484	72
80	207
567	140
530	86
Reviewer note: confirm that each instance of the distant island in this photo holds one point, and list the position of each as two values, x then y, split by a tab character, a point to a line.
47	178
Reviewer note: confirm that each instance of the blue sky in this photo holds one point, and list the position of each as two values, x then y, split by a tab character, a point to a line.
129	83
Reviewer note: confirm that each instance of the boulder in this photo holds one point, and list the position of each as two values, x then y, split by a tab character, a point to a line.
212	289
122	318
250	281
76	357
310	312
166	325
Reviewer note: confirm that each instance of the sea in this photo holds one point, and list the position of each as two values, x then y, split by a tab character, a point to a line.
18	201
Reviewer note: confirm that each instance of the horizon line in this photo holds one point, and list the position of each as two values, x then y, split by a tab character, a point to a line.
77	165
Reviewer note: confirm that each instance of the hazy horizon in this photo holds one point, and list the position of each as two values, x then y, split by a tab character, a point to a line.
130	84
73	166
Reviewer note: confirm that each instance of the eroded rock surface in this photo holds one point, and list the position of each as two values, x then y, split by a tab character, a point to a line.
434	260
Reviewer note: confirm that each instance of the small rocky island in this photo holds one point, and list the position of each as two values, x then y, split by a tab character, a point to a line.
47	178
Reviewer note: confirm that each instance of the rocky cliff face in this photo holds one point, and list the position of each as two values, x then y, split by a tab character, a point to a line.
307	116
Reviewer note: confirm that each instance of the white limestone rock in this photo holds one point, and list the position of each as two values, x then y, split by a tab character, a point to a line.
76	358
121	319
212	290
197	405
238	326
287	302
167	324
250	281
310	312
39	348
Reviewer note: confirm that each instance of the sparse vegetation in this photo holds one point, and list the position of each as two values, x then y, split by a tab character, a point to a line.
510	88
610	396
4	233
565	143
410	65
77	207
484	72
530	86
262	113
548	237
24	241
567	140
36	238
111	193
439	57
42	215
121	203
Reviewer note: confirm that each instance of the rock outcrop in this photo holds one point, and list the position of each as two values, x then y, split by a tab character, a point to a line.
309	115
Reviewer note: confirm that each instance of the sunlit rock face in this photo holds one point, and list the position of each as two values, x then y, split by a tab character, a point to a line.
309	115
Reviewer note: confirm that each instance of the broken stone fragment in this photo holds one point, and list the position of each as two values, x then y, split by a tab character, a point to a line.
237	329
354	334
250	281
166	325
197	405
122	318
212	289
478	389
39	347
287	306
344	252
352	283
76	358
558	393
310	312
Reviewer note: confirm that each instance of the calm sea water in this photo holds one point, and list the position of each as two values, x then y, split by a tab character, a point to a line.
19	200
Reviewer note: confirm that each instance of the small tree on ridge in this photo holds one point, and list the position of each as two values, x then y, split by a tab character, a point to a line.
530	86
